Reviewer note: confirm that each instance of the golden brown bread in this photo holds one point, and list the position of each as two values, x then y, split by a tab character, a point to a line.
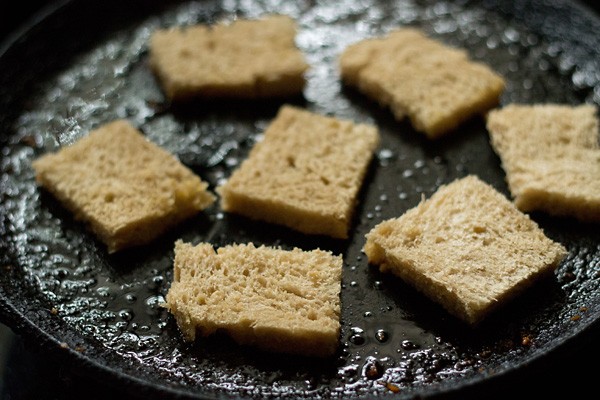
243	59
278	300
127	189
436	86
551	157
304	174
467	248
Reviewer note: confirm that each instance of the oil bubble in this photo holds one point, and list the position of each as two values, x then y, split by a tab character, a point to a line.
382	336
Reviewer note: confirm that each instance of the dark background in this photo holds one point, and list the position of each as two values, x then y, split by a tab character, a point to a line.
26	373
14	13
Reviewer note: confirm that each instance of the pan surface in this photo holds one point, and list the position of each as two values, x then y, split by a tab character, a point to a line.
85	64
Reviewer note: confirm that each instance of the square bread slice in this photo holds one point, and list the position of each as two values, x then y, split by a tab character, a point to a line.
436	86
305	173
551	157
243	59
467	248
127	189
278	300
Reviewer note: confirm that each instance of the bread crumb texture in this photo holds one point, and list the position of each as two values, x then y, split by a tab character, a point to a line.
467	248
305	173
278	300
242	59
551	157
437	87
126	188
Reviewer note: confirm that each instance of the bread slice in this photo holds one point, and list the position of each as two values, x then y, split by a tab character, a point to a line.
244	59
127	189
551	157
436	86
305	174
467	248
279	300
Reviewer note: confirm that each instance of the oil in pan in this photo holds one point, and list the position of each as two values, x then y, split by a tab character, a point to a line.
393	339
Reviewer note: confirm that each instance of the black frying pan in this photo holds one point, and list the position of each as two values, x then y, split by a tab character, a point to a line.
85	63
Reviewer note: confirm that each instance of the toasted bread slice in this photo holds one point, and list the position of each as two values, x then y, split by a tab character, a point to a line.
436	86
305	174
243	59
278	300
551	157
126	188
467	248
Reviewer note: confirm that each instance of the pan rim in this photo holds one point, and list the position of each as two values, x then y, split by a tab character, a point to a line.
11	314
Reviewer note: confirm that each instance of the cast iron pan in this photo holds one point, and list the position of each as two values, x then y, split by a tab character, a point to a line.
85	63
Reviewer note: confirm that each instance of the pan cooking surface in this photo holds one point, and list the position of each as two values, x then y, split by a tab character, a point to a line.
106	307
